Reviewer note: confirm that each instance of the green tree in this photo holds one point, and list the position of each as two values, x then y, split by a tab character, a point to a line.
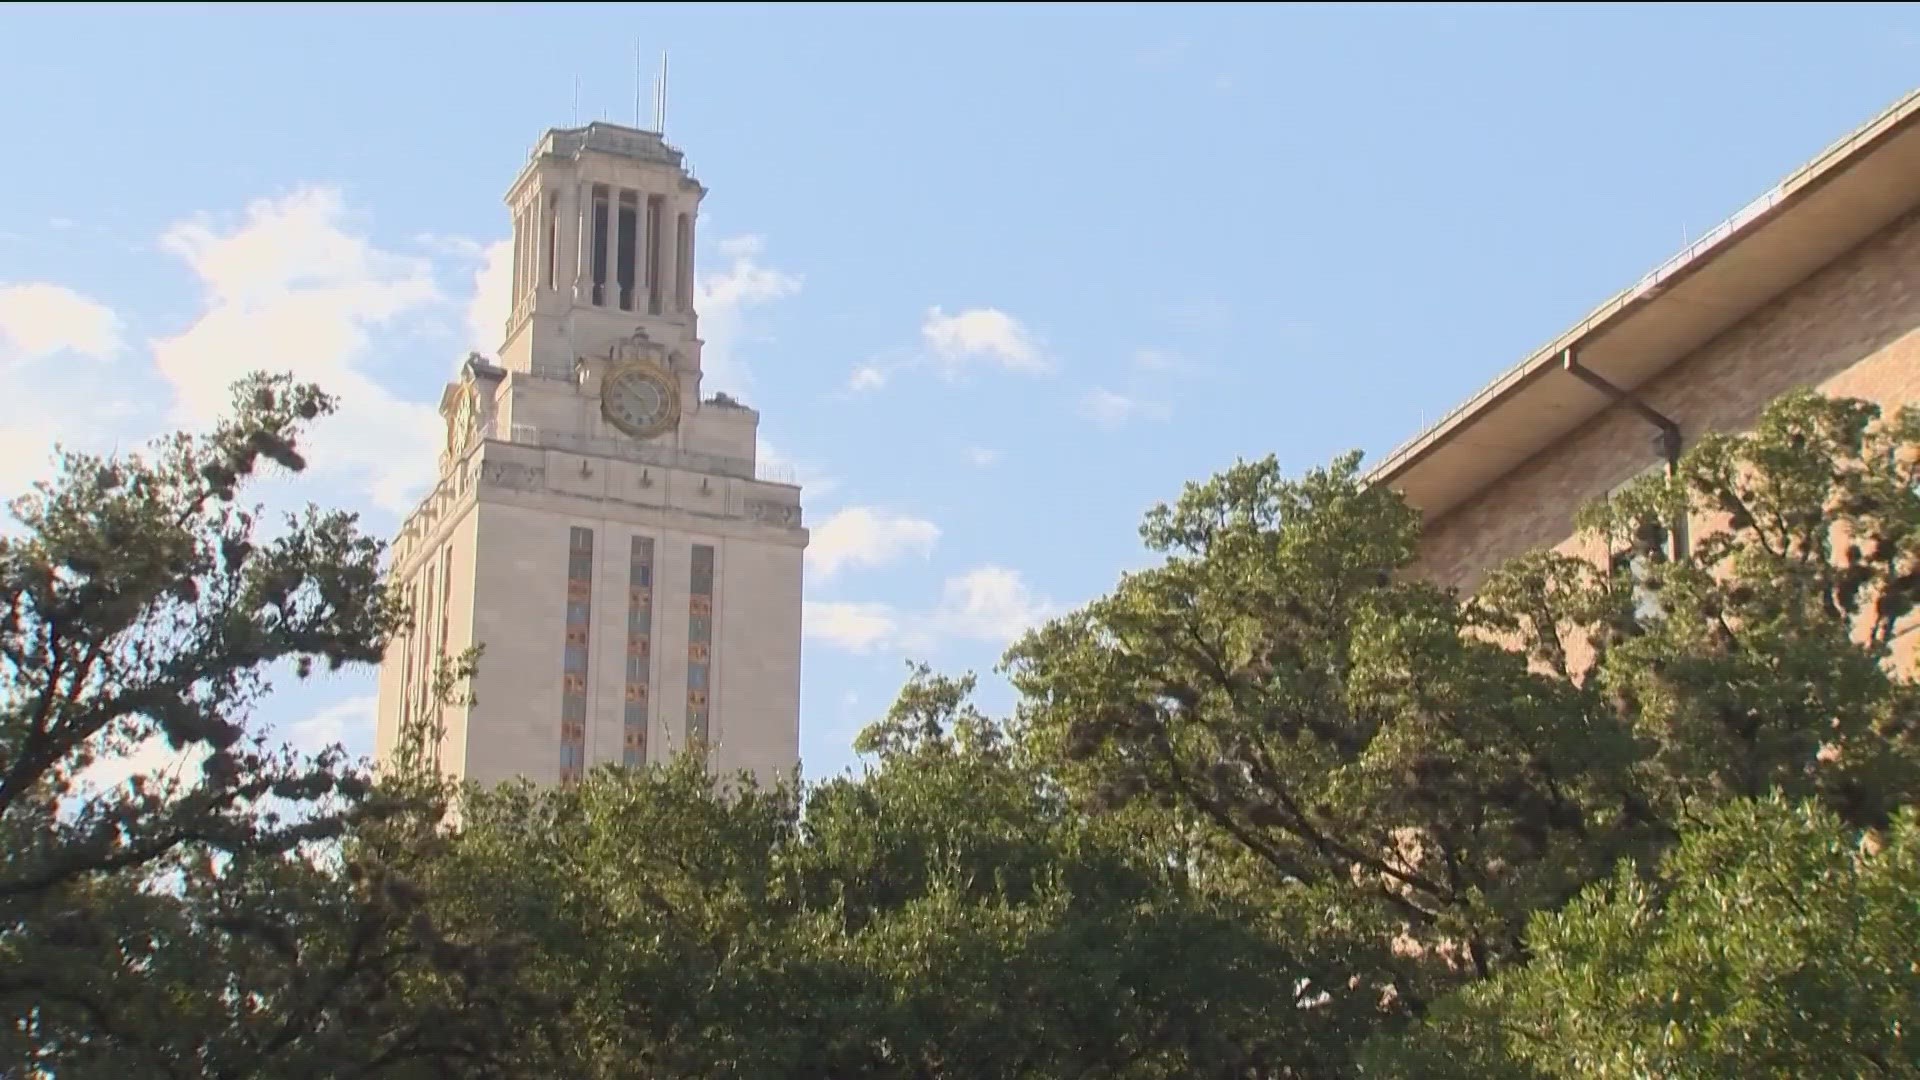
1763	666
941	915
206	924
650	898
1408	776
1765	660
1775	941
1392	781
1027	938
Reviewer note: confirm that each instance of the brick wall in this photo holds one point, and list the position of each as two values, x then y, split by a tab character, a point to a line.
1851	329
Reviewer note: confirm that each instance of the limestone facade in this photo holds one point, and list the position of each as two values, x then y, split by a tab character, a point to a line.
635	591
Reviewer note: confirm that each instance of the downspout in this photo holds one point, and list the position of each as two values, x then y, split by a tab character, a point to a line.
1670	441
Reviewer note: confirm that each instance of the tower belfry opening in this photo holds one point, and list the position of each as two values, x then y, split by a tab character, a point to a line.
603	221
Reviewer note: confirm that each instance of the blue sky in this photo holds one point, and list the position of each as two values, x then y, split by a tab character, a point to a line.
998	279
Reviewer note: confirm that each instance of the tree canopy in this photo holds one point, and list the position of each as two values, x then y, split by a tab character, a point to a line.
1274	807
1773	941
249	915
1426	772
708	929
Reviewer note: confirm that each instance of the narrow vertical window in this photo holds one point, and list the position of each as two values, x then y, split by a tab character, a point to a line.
699	648
446	592
424	626
519	243
407	661
549	265
629	240
417	639
440	650
683	263
655	235
573	662
639	650
600	224
532	276
526	250
580	220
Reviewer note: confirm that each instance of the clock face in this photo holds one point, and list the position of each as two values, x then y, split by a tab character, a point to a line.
460	422
640	400
466	419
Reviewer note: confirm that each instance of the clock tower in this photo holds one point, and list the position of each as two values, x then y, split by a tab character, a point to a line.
602	529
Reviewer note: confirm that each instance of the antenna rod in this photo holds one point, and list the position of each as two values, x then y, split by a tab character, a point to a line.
656	103
638	67
660	123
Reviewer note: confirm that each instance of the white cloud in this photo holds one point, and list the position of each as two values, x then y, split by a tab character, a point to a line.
982	334
151	758
855	627
989	604
781	467
39	320
867	377
1107	408
1112	410
492	298
289	287
864	536
347	723
723	298
982	457
43	328
953	344
26	448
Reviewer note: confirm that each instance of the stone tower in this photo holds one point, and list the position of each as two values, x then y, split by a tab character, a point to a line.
599	526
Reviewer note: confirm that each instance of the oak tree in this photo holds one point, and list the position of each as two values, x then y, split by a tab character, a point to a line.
249	911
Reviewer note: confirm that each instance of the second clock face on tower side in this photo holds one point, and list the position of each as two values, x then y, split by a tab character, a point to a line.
641	400
466	416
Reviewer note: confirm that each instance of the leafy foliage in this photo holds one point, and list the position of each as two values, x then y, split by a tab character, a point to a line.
1774	942
1278	677
1769	665
208	923
941	916
1426	772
